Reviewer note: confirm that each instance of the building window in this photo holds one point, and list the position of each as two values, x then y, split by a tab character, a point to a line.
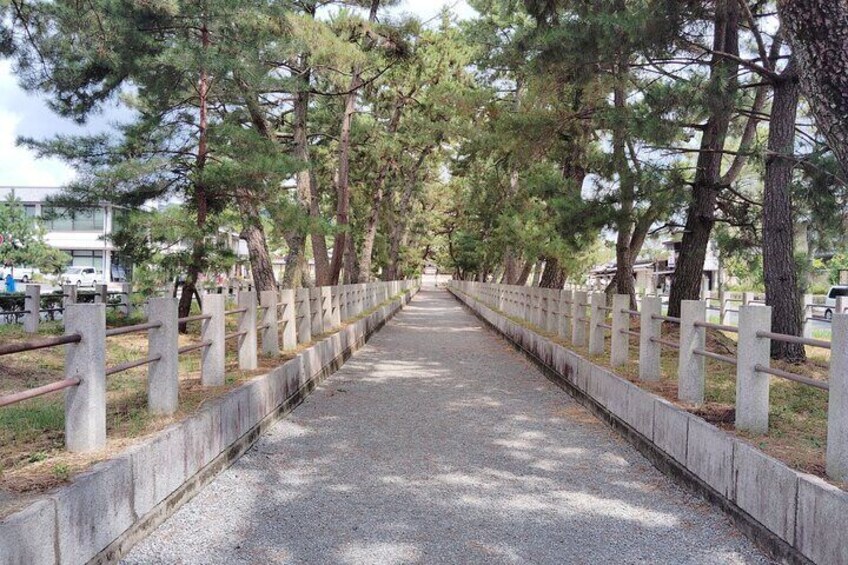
85	258
62	219
30	210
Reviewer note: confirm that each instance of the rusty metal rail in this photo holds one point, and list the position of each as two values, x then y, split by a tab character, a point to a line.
792	377
196	318
794	339
133	329
131	365
716	356
11	348
719	327
236	311
16	397
194	347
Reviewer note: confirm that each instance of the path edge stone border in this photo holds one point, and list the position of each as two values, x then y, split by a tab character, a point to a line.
794	517
106	510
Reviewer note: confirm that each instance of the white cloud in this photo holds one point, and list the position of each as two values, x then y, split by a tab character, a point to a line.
19	166
23	114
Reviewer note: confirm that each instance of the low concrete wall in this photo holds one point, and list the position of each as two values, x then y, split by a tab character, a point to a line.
795	517
104	511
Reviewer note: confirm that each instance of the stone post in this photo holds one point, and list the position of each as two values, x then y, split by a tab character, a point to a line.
361	293
327	308
287	314
752	387
564	329
578	312
101	294
747	298
213	357
597	316
247	342
271	333
552	301
32	306
304	315
126	299
315	303
836	459
163	375
343	307
690	372
69	294
85	404
620	340
650	329
807	313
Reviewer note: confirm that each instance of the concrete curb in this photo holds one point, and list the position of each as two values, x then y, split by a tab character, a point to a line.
104	511
794	517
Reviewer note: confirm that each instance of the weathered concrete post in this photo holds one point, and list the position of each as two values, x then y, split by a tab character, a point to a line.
248	344
597	316
85	404
564	329
271	333
752	387
315	303
101	294
841	304
69	294
213	357
126	299
32	306
836	459
747	298
327	308
304	315
620	340
341	298
650	330
361	298
287	314
690	371
807	313
578	313
552	300
163	375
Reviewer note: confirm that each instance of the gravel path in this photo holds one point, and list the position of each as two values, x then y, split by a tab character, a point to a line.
438	443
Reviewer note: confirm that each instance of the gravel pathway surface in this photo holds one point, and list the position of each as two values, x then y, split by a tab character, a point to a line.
438	443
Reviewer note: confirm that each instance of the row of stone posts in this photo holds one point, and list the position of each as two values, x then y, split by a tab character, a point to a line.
271	322
33	310
549	309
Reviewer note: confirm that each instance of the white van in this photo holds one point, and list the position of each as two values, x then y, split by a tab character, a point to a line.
830	302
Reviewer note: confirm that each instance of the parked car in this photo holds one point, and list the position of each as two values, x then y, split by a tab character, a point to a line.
830	302
82	276
22	273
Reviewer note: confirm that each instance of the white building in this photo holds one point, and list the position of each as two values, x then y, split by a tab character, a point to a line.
83	236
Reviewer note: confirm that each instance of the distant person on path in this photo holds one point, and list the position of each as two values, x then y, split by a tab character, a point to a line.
10	283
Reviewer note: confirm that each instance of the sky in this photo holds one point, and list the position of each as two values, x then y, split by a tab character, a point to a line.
27	114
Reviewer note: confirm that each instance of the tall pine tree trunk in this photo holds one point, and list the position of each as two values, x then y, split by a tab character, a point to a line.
779	268
296	264
201	203
253	232
689	270
309	196
377	199
553	275
818	31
